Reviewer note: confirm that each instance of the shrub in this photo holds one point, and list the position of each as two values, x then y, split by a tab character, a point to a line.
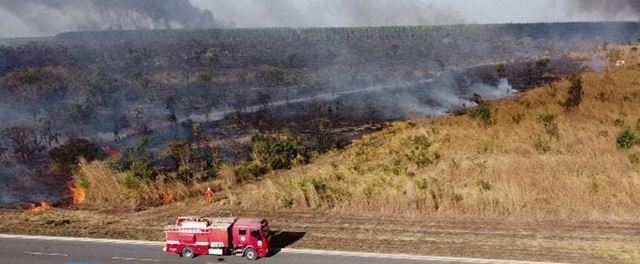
319	186
541	145
614	55
627	138
204	77
286	202
575	93
249	170
421	184
517	118
141	169
122	162
550	126
485	185
278	152
67	154
456	197
483	112
420	154
635	158
501	70
270	76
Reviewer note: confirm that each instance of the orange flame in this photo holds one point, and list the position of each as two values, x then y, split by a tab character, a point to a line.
77	195
42	207
166	198
111	152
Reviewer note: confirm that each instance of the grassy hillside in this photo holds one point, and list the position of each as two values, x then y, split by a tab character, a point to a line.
538	176
522	178
527	156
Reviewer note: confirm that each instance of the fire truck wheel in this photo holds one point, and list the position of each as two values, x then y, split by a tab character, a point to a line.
250	254
188	252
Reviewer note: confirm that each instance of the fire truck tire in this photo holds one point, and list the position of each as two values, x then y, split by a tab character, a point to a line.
250	254
188	252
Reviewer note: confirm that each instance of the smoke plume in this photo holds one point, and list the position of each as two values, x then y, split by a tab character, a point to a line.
26	18
610	9
332	13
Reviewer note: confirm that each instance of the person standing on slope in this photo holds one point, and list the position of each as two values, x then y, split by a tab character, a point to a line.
209	195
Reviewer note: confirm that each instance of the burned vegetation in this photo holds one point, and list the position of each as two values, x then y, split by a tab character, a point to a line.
177	105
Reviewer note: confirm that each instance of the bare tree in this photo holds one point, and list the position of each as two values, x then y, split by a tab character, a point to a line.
27	144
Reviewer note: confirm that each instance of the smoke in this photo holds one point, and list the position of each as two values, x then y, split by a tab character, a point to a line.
28	18
332	13
441	102
488	92
610	9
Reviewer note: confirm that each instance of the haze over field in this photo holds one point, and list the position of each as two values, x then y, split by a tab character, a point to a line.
32	18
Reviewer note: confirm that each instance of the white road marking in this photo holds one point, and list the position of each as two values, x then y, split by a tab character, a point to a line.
82	239
47	254
290	250
136	259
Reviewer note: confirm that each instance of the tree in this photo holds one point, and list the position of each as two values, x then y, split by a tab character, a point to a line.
196	129
395	48
77	113
171	103
264	98
501	69
35	87
3	151
99	91
27	144
207	101
49	135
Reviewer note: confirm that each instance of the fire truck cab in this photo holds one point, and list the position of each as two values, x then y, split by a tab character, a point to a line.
192	236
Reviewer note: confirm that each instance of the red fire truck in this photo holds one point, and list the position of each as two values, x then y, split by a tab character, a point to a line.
192	236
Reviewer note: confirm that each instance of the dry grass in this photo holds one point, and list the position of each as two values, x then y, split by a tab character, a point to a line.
500	170
112	190
451	166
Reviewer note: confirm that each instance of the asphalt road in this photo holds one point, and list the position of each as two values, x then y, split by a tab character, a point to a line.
32	250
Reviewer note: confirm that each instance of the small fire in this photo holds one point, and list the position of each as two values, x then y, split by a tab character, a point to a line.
42	207
111	152
77	195
166	198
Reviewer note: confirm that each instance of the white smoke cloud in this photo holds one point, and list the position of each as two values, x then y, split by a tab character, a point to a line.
331	13
609	10
489	92
30	18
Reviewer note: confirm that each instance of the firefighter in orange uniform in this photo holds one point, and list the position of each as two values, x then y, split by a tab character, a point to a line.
209	195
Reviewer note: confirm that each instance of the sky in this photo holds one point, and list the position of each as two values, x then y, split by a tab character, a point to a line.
322	13
30	18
